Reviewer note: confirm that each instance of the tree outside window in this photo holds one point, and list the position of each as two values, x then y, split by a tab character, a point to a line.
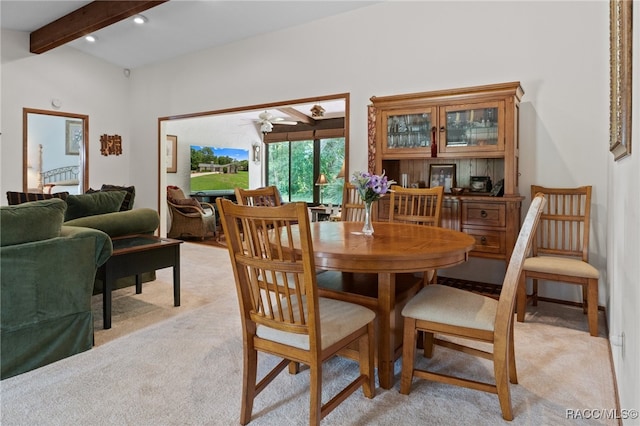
294	166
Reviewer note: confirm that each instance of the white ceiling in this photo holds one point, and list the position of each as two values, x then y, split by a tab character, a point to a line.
176	27
179	27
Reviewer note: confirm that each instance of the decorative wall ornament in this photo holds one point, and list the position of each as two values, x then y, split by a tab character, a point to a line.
172	154
110	145
621	23
73	137
371	133
256	153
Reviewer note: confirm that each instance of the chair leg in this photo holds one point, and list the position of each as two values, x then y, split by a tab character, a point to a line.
366	361
500	368
294	367
592	306
428	342
535	292
248	384
408	352
521	297
315	397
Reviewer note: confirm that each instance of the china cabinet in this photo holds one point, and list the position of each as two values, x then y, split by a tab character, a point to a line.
474	128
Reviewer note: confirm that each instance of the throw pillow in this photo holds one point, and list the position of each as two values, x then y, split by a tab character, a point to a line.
31	221
127	203
93	204
15	198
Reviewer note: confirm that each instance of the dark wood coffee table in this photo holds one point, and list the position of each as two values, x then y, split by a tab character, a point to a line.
134	255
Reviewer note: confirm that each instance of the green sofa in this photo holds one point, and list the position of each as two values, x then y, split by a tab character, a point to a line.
109	210
47	273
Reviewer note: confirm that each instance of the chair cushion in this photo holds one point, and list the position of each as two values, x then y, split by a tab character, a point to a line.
450	305
338	319
175	193
186	202
561	266
93	204
15	198
32	221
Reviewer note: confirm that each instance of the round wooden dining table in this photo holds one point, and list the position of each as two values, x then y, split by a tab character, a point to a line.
392	254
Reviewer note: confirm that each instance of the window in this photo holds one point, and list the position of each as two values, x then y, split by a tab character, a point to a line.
293	166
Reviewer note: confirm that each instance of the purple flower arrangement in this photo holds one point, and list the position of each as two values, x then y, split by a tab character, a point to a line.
371	187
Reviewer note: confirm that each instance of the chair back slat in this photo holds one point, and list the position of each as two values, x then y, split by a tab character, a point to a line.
507	300
267	196
273	265
564	224
420	206
352	204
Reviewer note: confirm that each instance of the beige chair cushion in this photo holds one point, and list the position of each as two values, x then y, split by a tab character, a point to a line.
561	266
337	320
449	305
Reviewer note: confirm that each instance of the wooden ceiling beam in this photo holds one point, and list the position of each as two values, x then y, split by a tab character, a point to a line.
294	113
81	22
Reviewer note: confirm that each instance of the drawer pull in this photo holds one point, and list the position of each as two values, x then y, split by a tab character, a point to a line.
483	213
483	240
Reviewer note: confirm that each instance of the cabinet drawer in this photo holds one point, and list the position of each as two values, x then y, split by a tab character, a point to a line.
487	241
485	214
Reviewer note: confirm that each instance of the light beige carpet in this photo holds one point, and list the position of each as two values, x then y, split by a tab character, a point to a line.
165	365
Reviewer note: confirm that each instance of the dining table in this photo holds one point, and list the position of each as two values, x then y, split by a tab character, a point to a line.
382	271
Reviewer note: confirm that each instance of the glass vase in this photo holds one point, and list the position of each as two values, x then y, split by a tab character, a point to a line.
367	229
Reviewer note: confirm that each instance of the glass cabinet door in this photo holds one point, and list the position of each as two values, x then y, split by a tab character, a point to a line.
477	127
407	131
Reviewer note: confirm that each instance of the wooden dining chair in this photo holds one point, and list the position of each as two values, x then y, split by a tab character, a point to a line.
281	312
444	310
352	205
561	250
421	206
267	196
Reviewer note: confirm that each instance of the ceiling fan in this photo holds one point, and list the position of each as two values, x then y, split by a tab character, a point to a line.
266	120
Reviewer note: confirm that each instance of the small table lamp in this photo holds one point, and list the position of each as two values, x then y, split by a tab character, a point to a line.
321	182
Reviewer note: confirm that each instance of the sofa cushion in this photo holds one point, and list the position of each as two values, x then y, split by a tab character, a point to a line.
129	198
15	198
92	204
31	221
116	224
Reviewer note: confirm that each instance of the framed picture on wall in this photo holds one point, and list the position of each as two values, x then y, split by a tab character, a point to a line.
73	137
621	23
442	175
172	154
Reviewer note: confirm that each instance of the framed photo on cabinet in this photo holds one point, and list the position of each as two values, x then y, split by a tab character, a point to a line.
442	175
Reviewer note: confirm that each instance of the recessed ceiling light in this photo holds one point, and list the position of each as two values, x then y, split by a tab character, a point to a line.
90	39
140	19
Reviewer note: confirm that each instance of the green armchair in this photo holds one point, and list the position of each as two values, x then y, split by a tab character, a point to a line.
47	273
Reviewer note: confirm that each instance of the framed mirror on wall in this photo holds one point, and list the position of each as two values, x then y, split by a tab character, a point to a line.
55	152
621	23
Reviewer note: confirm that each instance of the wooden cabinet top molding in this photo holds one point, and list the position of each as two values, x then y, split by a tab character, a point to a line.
451	95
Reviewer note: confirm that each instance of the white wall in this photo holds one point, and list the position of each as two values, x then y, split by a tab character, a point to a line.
84	85
401	47
557	50
623	252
